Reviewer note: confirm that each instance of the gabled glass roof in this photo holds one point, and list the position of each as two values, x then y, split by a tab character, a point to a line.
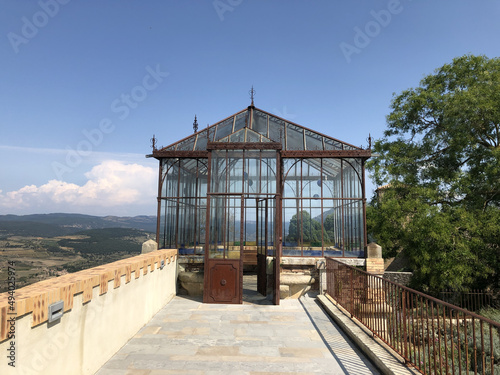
255	125
245	135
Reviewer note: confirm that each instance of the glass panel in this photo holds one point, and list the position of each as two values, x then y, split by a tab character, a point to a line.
167	228
311	178
201	142
249	224
352	178
252	172
252	136
315	216
267	171
332	228
311	227
261	221
291	233
271	225
353	228
239	136
233	228
294	137
331	178
183	214
186	226
241	120
224	128
236	176
225	222
277	130
292	171
171	182
313	141
201	214
187	145
259	123
217	211
202	178
265	233
245	171
331	144
218	171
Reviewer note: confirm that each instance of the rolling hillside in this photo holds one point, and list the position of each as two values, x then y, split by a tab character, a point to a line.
59	224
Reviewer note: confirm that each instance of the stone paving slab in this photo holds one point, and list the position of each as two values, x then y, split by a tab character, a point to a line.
189	337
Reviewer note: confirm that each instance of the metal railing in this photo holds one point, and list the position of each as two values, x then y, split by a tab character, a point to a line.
433	336
473	300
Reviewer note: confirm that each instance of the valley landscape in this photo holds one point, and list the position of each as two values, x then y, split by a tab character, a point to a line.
46	246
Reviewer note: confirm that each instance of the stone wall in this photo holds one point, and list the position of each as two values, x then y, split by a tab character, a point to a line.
191	275
103	308
300	275
402	278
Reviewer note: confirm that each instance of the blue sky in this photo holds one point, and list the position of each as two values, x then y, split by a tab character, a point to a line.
85	84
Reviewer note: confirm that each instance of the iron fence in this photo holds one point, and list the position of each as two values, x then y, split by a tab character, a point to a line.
473	300
434	336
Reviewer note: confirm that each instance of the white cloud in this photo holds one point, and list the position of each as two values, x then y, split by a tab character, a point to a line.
112	188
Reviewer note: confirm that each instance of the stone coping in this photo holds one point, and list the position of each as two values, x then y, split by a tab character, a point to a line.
285	260
36	298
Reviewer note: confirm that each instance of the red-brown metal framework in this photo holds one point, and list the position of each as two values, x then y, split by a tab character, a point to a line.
431	335
346	151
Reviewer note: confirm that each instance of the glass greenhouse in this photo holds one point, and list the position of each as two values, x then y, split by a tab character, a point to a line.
254	186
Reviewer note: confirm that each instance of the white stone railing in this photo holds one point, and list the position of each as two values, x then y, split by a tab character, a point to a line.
103	307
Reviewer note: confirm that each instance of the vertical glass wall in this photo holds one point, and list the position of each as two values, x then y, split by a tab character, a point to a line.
183	205
239	180
323	207
249	172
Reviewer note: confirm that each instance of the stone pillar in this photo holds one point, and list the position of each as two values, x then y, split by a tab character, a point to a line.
374	260
149	246
321	266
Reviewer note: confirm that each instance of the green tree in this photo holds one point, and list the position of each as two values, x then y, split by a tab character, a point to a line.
303	223
440	161
330	226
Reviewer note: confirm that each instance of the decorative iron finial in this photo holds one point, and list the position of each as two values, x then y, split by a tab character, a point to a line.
195	125
153	143
369	141
252	94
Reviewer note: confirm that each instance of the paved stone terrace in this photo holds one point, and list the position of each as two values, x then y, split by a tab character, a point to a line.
189	337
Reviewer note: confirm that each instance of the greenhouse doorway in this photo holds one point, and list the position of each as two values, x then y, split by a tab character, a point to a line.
240	223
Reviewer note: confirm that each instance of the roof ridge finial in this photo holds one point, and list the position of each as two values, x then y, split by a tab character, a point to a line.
153	143
195	124
252	95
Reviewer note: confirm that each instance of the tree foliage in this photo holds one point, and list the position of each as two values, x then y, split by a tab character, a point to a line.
304	228
440	163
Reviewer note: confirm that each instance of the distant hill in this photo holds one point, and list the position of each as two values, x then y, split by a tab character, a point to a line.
59	224
106	241
31	229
